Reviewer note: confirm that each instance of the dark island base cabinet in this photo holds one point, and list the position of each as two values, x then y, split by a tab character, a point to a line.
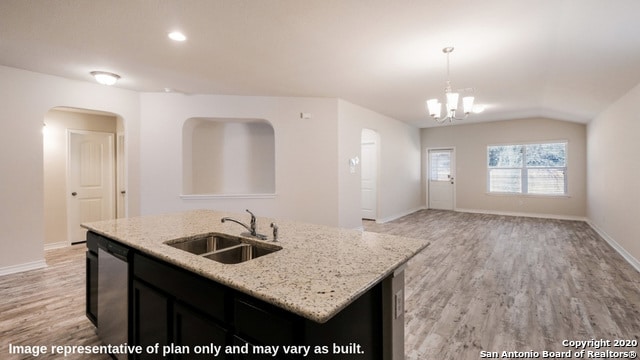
150	314
160	319
173	306
195	330
169	305
92	278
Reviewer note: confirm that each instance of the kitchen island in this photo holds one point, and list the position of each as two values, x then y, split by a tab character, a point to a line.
324	289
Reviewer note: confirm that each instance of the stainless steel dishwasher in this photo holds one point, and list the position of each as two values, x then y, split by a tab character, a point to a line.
113	293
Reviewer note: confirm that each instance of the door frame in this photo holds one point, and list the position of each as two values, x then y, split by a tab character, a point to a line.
428	168
114	179
121	178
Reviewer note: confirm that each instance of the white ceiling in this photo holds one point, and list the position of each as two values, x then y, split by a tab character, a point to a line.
564	59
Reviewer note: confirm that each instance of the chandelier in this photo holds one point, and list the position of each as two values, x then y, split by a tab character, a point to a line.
435	107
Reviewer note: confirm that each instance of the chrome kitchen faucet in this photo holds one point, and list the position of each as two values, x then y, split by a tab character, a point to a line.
251	228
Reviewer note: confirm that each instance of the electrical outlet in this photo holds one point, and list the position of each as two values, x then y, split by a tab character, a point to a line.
399	304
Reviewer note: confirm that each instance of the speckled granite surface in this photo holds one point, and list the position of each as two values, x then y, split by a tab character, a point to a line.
319	271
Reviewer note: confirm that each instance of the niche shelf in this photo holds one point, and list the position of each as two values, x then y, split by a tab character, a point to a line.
228	157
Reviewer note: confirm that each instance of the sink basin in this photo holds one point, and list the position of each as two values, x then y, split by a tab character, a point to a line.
224	248
205	244
239	253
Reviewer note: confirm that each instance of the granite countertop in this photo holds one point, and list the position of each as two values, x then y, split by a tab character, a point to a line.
319	271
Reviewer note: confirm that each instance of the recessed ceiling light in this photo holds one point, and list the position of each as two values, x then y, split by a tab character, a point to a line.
105	78
177	36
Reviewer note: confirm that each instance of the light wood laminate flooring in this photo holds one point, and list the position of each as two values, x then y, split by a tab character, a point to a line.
486	283
47	306
504	283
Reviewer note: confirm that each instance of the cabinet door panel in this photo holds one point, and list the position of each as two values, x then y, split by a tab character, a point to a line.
151	320
199	292
92	287
196	331
265	324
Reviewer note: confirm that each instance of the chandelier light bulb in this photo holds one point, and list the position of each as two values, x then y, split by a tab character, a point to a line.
452	101
467	104
434	108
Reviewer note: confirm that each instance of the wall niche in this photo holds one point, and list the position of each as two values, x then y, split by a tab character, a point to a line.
228	157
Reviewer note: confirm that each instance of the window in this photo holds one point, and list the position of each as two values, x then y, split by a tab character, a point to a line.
538	169
440	165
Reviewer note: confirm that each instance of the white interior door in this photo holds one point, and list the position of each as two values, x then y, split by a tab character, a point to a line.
90	180
441	179
369	174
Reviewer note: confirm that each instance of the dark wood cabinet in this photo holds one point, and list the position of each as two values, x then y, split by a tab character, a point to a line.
356	328
170	305
150	311
173	306
204	312
198	332
158	318
92	287
91	305
200	293
265	324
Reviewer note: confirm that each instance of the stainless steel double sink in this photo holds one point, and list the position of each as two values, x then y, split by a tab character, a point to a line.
224	248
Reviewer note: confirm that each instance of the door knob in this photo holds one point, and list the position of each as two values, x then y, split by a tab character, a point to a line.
74	193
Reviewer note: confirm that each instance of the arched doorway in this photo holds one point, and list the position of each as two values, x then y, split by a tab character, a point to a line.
73	137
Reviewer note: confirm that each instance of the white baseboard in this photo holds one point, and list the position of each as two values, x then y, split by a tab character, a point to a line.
57	245
630	259
513	213
398	216
23	267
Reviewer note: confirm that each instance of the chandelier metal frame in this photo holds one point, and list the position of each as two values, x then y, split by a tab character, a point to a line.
434	107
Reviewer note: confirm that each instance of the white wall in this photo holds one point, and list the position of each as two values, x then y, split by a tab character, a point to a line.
613	146
306	151
25	98
308	181
399	191
470	141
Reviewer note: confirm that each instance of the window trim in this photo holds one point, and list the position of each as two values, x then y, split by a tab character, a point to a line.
523	169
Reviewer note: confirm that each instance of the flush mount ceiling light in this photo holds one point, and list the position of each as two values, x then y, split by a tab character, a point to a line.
177	36
105	78
435	107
